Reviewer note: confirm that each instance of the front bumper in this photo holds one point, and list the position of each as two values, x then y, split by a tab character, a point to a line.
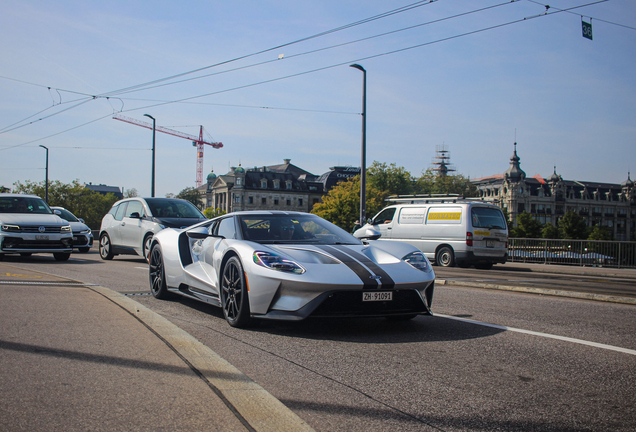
27	243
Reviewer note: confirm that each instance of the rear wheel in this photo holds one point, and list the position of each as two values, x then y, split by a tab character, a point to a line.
236	307
105	247
157	274
445	257
60	256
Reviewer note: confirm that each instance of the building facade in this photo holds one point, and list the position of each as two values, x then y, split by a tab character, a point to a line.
547	200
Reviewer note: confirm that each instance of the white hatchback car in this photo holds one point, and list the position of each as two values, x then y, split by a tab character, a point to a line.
28	226
128	227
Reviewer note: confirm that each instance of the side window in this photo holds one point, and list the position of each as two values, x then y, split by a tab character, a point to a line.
385	216
134	206
113	210
226	228
120	211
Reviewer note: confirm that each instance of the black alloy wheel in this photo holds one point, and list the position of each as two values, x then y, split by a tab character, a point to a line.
234	300
157	274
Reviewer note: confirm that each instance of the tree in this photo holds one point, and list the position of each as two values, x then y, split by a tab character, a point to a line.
550	231
75	197
600	233
212	212
341	205
430	183
573	226
131	193
390	179
191	194
527	227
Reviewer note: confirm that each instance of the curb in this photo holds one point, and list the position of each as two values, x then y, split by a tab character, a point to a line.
249	401
544	291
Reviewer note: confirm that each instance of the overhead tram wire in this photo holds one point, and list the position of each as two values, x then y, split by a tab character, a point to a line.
518	21
324	33
321	69
322	49
574	13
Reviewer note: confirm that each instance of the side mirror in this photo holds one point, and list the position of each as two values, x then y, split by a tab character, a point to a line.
367	234
135	215
201	234
57	212
81	220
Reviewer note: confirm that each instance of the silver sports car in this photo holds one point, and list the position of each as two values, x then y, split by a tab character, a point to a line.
289	266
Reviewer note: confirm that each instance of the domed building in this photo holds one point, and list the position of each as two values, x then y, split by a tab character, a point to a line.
548	199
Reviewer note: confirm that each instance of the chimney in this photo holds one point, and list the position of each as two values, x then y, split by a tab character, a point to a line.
287	161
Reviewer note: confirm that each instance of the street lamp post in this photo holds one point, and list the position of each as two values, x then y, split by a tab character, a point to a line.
152	185
363	163
46	183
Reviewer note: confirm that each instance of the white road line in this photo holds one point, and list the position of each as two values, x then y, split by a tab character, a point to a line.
546	335
142	268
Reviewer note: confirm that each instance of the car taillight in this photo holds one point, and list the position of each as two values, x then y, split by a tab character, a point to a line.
469	239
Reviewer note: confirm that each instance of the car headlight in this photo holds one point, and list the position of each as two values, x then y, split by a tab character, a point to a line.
419	261
65	229
11	228
277	262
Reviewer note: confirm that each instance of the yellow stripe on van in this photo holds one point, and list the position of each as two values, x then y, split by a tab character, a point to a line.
444	216
486	233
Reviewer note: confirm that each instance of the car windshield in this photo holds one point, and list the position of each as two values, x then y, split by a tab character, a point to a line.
173	208
300	228
21	204
490	218
67	215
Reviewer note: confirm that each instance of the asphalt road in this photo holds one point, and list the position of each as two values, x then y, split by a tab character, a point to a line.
489	360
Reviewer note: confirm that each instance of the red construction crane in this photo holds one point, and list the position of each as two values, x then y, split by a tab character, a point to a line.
196	141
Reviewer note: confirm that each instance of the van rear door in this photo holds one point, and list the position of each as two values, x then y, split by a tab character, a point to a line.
490	231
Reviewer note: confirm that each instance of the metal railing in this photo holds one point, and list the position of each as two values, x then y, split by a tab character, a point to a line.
594	253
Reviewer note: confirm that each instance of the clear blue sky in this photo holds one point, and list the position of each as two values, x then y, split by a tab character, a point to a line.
566	100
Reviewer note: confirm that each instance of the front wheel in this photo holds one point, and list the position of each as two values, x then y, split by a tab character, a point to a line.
157	274
146	247
445	257
234	300
59	256
105	247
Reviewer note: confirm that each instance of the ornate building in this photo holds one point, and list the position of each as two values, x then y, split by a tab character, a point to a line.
547	200
275	187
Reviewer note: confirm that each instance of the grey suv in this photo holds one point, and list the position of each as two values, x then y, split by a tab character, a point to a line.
28	226
128	227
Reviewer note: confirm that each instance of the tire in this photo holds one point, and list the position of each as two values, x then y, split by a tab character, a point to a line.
105	247
146	247
26	254
157	274
60	256
84	249
483	266
234	300
445	257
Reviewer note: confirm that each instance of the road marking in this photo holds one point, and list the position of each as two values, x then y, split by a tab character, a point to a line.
20	275
545	335
142	268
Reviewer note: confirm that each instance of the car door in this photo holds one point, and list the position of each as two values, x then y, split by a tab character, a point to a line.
131	229
383	222
115	226
213	250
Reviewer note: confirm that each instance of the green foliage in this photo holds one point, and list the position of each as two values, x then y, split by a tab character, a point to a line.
191	194
431	183
212	212
527	227
4	189
341	205
76	198
573	226
508	220
390	179
600	233
550	231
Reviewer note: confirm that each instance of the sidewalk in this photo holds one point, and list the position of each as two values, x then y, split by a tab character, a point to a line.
78	357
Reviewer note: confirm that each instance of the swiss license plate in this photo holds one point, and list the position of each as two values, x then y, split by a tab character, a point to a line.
377	296
41	237
490	243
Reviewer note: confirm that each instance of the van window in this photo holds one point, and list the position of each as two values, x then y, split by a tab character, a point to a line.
490	218
412	215
385	216
444	215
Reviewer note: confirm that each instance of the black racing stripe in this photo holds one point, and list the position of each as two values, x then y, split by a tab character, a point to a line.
386	280
364	274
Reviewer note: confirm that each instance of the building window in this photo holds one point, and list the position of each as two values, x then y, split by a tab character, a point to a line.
300	201
239	181
288	184
276	184
275	201
250	200
263	184
237	199
263	200
288	202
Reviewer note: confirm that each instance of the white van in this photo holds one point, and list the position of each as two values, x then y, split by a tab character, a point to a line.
450	230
